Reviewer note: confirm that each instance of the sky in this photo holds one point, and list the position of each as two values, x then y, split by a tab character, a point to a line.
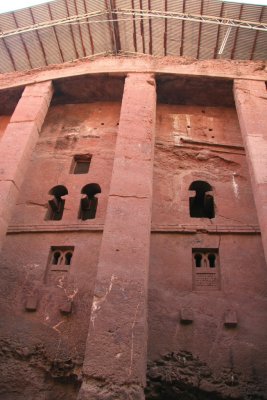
12	5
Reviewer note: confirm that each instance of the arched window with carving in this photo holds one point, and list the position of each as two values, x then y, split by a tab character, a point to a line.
89	202
206	268
60	258
202	204
56	204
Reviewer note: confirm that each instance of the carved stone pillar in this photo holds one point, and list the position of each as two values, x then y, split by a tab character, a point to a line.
251	105
17	144
115	359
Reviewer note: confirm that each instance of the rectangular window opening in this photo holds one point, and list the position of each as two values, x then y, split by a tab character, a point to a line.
81	164
206	269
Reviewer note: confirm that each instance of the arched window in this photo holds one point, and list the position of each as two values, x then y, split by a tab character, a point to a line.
56	258
60	258
68	257
89	203
202	204
212	260
206	268
56	205
198	259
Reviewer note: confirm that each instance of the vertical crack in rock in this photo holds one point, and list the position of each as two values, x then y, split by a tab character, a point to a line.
98	300
132	339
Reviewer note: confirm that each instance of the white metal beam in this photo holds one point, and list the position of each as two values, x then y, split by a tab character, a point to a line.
260	26
54	22
143	14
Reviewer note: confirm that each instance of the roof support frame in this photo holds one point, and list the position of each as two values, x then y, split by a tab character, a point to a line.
182	33
236	32
134	30
142	28
39	39
258	26
89	30
55	33
22	41
256	35
80	31
218	32
200	30
150	31
71	32
196	18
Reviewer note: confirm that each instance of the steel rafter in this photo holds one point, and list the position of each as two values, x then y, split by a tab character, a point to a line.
195	18
53	23
142	14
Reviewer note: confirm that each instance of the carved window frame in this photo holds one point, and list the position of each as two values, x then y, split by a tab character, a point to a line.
206	269
63	256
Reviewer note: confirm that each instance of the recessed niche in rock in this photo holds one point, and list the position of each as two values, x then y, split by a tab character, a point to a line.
202	204
206	269
60	258
56	204
89	202
81	164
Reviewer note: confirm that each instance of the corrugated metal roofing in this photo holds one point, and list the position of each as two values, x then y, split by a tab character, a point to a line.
112	31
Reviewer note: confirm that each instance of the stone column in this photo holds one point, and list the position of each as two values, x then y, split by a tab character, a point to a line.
17	144
251	105
115	358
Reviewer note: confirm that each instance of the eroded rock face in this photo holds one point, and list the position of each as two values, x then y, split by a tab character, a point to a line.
29	372
43	337
182	376
215	310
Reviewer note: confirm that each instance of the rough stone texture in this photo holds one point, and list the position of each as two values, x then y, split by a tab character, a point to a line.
251	97
187	150
116	346
198	357
25	268
17	144
183	66
69	130
4	121
200	143
35	374
180	375
9	99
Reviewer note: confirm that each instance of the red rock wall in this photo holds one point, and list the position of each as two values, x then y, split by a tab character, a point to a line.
69	130
4	121
54	343
43	350
193	143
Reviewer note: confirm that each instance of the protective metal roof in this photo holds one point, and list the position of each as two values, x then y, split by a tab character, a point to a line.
66	30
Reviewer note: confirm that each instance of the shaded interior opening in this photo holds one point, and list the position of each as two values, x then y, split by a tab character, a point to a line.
56	205
202	204
198	259
56	258
89	203
198	91
81	164
212	260
88	89
61	255
68	257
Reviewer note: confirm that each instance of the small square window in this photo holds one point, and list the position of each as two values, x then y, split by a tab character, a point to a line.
81	164
206	269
